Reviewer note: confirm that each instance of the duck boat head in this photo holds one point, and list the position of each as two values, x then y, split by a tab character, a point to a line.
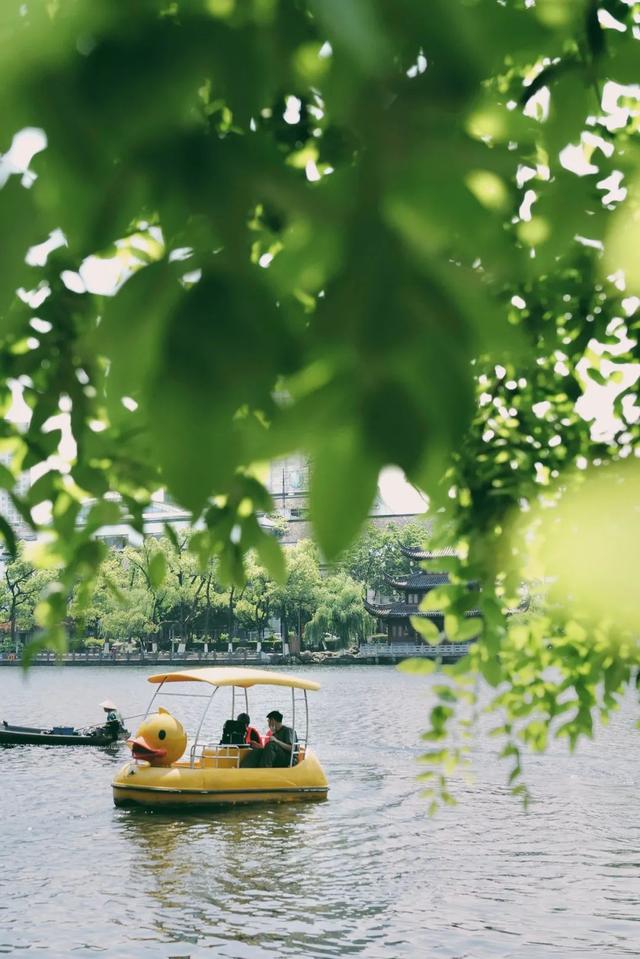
160	740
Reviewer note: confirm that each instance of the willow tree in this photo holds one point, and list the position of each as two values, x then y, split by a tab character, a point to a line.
379	233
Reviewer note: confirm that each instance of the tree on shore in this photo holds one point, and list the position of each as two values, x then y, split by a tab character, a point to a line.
376	555
376	233
128	606
122	604
340	614
256	607
297	597
21	586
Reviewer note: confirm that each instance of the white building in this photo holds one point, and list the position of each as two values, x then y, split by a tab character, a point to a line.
288	482
159	514
7	508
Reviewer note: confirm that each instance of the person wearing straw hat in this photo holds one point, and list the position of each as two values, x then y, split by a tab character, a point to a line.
113	723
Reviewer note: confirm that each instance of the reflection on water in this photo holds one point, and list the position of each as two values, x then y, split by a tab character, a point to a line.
364	874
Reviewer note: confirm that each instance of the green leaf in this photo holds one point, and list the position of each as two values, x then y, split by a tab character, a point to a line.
9	536
492	671
452	624
157	569
131	329
469	628
65	514
224	341
355	28
272	557
343	485
7	479
596	376
437	599
53	638
19	218
104	513
419	667
172	536
548	76
88	557
427	630
515	773
43	488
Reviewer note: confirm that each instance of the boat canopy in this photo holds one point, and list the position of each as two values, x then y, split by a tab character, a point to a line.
234	676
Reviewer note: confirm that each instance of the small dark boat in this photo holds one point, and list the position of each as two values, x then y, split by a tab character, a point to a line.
59	735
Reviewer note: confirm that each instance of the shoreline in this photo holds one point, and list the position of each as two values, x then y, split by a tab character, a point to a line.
386	658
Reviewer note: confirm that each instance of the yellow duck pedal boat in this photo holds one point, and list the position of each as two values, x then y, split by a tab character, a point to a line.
214	773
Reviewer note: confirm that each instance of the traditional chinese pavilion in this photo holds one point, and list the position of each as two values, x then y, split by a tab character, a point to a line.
394	617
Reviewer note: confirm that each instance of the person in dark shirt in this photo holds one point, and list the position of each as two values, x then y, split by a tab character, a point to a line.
279	747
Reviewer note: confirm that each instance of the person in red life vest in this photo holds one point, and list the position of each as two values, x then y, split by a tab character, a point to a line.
240	732
278	745
252	737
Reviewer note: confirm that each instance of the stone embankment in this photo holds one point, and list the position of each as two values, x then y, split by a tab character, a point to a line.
379	654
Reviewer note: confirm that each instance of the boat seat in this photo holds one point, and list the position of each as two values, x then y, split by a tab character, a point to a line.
221	757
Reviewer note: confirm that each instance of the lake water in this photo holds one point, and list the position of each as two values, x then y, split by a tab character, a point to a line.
365	874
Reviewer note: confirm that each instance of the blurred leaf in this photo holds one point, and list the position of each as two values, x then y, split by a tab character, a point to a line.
7	479
221	352
355	28
54	639
427	630
272	557
104	513
157	569
9	536
623	236
597	516
490	669
343	485
419	667
469	628
172	536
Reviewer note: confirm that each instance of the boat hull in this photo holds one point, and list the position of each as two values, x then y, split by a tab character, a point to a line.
138	784
34	736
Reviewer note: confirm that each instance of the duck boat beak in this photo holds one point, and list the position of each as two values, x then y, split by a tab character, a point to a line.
140	749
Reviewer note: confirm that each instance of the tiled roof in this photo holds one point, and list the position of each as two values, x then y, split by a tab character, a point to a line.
419	553
398	611
403	610
420	581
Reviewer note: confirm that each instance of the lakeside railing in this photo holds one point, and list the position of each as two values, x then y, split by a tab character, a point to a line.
368	652
235	657
411	650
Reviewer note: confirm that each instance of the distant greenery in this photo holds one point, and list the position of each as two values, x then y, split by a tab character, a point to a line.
376	555
158	593
375	232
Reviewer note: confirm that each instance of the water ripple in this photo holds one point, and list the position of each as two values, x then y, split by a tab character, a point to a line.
366	874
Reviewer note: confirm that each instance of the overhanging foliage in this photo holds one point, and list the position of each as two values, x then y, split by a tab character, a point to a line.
379	233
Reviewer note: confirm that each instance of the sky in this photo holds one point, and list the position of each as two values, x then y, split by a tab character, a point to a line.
398	494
